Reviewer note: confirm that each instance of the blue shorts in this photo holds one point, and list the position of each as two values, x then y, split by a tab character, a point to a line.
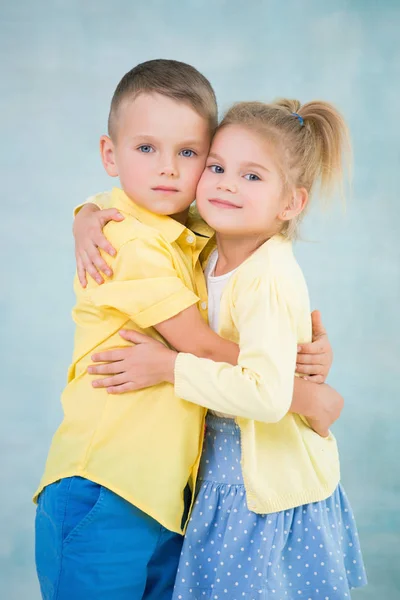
91	544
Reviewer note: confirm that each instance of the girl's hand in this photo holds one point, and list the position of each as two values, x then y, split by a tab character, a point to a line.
147	363
315	359
89	238
327	410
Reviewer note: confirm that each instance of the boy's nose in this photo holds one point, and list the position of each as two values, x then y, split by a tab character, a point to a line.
170	170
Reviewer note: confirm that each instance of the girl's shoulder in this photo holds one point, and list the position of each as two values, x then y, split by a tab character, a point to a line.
272	266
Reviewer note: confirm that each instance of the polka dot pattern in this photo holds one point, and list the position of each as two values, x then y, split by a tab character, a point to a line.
310	552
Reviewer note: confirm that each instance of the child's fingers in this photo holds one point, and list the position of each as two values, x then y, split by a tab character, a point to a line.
317	325
91	269
135	337
317	347
103	243
110	214
80	271
310	359
110	381
125	387
315	378
310	369
114	368
110	355
98	261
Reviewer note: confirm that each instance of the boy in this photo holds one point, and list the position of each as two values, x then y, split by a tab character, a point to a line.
111	504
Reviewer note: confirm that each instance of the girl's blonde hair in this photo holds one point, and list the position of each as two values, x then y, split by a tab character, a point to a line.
311	140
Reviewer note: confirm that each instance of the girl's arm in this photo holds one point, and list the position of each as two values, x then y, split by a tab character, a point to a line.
90	219
149	363
260	387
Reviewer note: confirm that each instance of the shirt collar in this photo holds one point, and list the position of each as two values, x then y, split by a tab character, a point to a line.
169	228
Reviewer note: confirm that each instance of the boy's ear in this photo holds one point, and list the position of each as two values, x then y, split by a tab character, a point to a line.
107	153
295	206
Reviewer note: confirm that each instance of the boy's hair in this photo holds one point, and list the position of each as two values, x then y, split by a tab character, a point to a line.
170	78
310	141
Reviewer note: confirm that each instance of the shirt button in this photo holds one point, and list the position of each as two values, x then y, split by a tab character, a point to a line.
190	239
203	305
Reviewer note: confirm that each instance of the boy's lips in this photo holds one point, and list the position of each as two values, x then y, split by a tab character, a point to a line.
222	203
164	188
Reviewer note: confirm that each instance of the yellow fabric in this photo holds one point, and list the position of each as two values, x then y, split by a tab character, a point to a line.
143	445
265	308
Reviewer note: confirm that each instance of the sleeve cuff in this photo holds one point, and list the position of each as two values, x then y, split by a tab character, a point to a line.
179	379
166	309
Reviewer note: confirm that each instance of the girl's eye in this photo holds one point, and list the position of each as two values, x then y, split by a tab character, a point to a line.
187	153
216	169
252	177
146	149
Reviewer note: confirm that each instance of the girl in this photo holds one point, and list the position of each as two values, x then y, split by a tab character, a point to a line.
270	520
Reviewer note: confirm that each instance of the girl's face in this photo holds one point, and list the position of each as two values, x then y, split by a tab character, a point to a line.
241	190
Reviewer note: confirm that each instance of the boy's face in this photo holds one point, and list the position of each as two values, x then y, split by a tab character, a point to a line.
159	152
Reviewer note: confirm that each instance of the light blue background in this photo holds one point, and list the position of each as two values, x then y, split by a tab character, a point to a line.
60	63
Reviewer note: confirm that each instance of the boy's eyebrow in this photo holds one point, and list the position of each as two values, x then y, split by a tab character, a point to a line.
152	138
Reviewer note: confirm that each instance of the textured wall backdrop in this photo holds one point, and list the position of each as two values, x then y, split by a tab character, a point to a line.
60	63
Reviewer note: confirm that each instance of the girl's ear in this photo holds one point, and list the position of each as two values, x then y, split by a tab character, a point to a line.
297	204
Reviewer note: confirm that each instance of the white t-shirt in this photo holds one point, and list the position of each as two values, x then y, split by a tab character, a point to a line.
215	288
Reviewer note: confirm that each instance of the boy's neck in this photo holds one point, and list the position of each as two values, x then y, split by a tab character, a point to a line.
233	251
182	216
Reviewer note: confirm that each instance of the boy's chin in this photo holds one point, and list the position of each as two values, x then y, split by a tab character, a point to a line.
165	206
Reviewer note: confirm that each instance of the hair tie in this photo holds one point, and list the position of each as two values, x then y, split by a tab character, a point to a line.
299	117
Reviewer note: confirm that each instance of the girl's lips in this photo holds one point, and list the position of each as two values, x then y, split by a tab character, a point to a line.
222	203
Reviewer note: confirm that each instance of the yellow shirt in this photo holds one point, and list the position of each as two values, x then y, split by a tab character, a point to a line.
143	445
265	309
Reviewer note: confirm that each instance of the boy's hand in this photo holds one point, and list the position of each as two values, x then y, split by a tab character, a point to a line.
328	408
89	238
315	359
146	363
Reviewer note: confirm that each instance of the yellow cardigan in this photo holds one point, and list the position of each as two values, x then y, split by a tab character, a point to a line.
265	309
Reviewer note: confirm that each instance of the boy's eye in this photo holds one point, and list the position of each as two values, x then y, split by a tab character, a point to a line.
187	153
252	177
216	169
146	149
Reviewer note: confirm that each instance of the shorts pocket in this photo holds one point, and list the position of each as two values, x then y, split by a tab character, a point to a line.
84	501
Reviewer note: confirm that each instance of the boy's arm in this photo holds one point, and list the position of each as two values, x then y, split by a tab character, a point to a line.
147	289
315	359
188	332
260	387
319	403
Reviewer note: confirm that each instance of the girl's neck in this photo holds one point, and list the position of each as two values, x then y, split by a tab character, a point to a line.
233	251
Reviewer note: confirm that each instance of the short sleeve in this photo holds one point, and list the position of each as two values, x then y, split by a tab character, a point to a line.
102	200
145	285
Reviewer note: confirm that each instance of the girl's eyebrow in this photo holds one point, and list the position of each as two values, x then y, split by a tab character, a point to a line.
246	165
250	165
215	156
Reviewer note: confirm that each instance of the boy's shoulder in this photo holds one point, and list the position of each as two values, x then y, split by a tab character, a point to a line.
131	229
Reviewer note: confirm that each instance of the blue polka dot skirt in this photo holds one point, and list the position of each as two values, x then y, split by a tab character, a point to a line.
310	552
